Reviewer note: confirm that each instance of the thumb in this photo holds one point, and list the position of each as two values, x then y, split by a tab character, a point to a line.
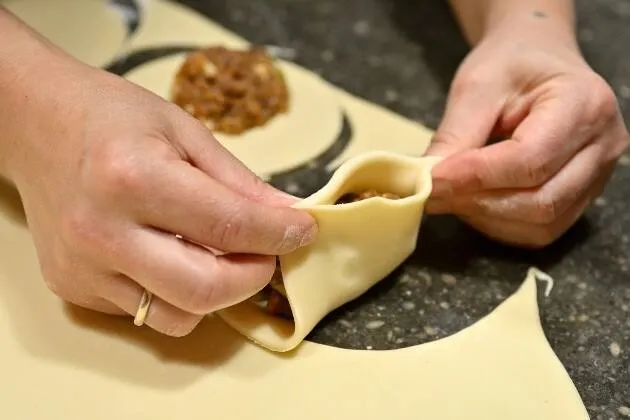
207	154
470	115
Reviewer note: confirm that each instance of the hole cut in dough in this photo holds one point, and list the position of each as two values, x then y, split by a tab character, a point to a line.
89	30
311	125
358	245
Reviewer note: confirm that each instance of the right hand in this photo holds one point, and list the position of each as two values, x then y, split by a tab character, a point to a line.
109	173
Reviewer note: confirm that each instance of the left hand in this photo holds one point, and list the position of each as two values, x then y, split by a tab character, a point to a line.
563	128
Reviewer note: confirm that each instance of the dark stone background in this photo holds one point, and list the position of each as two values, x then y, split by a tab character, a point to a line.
402	55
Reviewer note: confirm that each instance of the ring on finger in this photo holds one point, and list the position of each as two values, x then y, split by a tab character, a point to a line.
143	308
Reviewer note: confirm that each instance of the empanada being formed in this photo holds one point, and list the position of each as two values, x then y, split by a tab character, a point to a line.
359	243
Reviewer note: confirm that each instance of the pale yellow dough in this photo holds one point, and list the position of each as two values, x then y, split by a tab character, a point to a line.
358	244
166	23
63	363
311	125
314	119
392	132
89	30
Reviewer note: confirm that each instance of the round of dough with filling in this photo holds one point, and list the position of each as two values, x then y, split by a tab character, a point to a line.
89	30
358	245
230	90
307	129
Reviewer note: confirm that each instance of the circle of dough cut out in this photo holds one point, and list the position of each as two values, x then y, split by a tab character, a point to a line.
311	125
89	30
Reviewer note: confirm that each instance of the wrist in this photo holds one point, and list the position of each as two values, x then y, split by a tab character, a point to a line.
33	77
549	20
532	21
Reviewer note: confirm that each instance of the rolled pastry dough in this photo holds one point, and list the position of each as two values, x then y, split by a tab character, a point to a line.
89	30
60	363
313	123
358	244
166	23
310	126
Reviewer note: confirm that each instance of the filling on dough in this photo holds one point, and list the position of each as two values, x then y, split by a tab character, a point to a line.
230	91
273	298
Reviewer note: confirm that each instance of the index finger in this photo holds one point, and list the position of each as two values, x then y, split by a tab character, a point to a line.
183	200
541	145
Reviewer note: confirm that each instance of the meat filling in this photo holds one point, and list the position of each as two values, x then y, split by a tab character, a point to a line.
230	91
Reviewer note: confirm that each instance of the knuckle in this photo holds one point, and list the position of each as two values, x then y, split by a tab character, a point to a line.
471	79
122	176
258	186
202	298
604	102
483	174
79	228
479	172
227	230
115	172
84	235
446	138
537	170
546	209
57	287
56	278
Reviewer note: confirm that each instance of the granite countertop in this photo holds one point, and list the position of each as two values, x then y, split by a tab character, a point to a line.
402	55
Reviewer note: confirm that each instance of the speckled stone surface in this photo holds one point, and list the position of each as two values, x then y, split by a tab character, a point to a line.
402	55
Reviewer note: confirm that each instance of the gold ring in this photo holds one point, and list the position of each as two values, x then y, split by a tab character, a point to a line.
143	308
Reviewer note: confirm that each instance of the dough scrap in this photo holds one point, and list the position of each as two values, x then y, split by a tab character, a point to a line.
358	245
89	30
310	126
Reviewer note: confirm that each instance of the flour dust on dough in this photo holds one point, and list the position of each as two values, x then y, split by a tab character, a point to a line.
358	245
311	125
89	30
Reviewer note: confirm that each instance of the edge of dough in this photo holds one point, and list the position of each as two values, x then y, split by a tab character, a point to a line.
358	245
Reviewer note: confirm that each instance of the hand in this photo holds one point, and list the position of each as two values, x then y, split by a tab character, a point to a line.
109	173
562	130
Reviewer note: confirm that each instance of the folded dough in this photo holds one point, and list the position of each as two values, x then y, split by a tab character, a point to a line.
358	245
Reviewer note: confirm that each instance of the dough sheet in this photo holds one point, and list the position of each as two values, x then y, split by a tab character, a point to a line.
86	29
60	362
